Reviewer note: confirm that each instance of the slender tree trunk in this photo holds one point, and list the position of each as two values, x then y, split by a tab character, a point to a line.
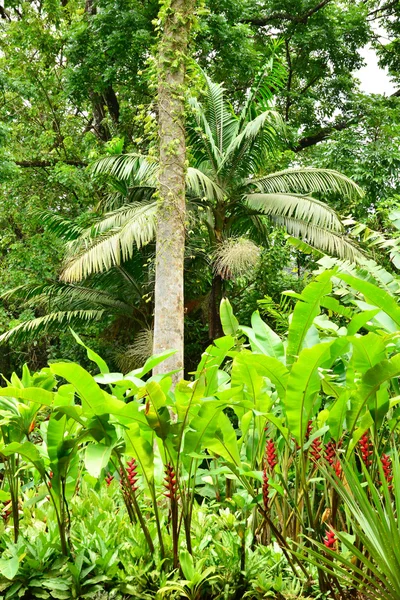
214	320
175	17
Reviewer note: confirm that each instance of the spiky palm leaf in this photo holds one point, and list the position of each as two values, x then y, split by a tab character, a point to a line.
111	242
51	323
330	242
304	208
307	181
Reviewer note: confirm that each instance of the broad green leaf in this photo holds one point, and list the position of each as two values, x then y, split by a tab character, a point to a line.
229	322
305	312
263	339
375	296
156	410
150	363
266	366
303	384
93	356
9	567
360	320
337	415
370	384
97	457
95	401
33	394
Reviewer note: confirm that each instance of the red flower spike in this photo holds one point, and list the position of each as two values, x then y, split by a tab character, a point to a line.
132	474
366	450
309	429
316	450
330	539
270	452
338	468
387	469
330	452
170	482
265	489
109	479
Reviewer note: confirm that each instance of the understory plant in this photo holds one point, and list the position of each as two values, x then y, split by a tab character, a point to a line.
270	446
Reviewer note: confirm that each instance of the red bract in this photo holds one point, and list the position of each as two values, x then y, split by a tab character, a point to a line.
308	430
132	474
330	451
170	482
270	452
338	468
109	479
366	450
316	450
387	468
265	489
330	539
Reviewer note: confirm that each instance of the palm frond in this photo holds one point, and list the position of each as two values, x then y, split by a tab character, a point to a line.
221	118
50	323
110	246
201	185
308	180
236	257
330	242
265	128
200	136
304	208
267	82
63	228
136	168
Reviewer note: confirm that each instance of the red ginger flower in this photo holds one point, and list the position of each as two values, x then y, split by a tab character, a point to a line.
366	450
270	452
330	539
109	479
170	482
132	474
309	429
387	469
330	451
265	489
316	450
338	468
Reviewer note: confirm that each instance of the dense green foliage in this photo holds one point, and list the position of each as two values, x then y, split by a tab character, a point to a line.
248	460
77	84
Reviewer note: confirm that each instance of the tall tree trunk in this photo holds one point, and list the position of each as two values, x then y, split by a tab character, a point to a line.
169	312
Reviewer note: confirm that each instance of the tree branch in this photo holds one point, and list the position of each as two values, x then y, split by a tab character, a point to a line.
49	163
287	16
382	8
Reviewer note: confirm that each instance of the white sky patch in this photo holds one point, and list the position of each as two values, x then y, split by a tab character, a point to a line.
374	79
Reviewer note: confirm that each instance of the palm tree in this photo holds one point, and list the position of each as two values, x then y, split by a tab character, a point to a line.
229	192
